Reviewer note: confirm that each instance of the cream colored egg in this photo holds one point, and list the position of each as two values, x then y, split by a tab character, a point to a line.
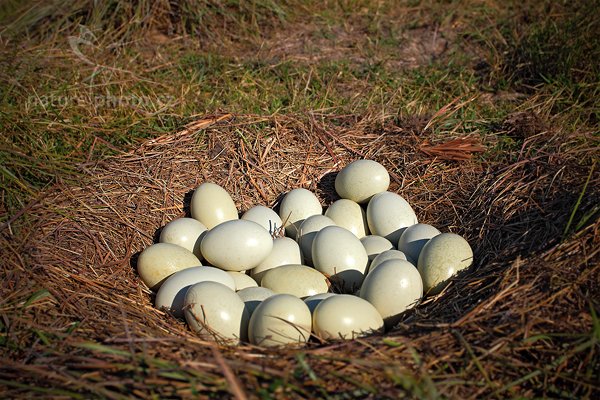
184	232
307	232
299	280
393	287
242	280
345	317
388	214
212	205
387	255
236	245
295	207
414	238
361	179
313	301
374	245
158	261
265	217
285	251
350	215
171	293
441	258
253	296
279	320
215	312
340	256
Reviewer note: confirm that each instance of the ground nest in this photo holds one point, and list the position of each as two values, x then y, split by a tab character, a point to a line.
77	320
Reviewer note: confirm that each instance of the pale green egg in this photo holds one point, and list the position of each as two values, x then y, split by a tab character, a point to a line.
215	312
212	205
361	179
236	245
282	319
441	258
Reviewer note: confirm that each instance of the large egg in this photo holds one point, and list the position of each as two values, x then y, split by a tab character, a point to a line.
388	214
253	296
236	245
158	261
285	251
348	214
307	232
279	320
265	217
441	258
387	255
242	280
361	179
313	301
295	207
345	317
299	280
184	232
414	238
212	205
374	245
171	293
215	312
393	287
340	255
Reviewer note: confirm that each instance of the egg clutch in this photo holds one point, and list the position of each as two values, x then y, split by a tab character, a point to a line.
273	279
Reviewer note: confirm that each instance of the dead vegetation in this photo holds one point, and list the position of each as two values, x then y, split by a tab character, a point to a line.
521	322
485	114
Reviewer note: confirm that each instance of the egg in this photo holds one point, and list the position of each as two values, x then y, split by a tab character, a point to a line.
361	179
387	255
374	245
345	317
295	207
215	312
253	296
299	280
279	320
348	214
313	301
242	280
265	217
184	232
414	238
388	214
236	245
212	205
171	293
285	251
158	261
307	232
340	256
392	288
441	258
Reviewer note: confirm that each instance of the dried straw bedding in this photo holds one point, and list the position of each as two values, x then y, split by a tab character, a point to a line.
85	239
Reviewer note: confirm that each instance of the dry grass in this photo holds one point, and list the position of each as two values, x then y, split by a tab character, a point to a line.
485	113
521	322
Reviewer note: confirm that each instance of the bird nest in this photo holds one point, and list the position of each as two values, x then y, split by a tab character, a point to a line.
78	321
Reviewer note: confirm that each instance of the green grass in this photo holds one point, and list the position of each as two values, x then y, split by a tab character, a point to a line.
58	109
